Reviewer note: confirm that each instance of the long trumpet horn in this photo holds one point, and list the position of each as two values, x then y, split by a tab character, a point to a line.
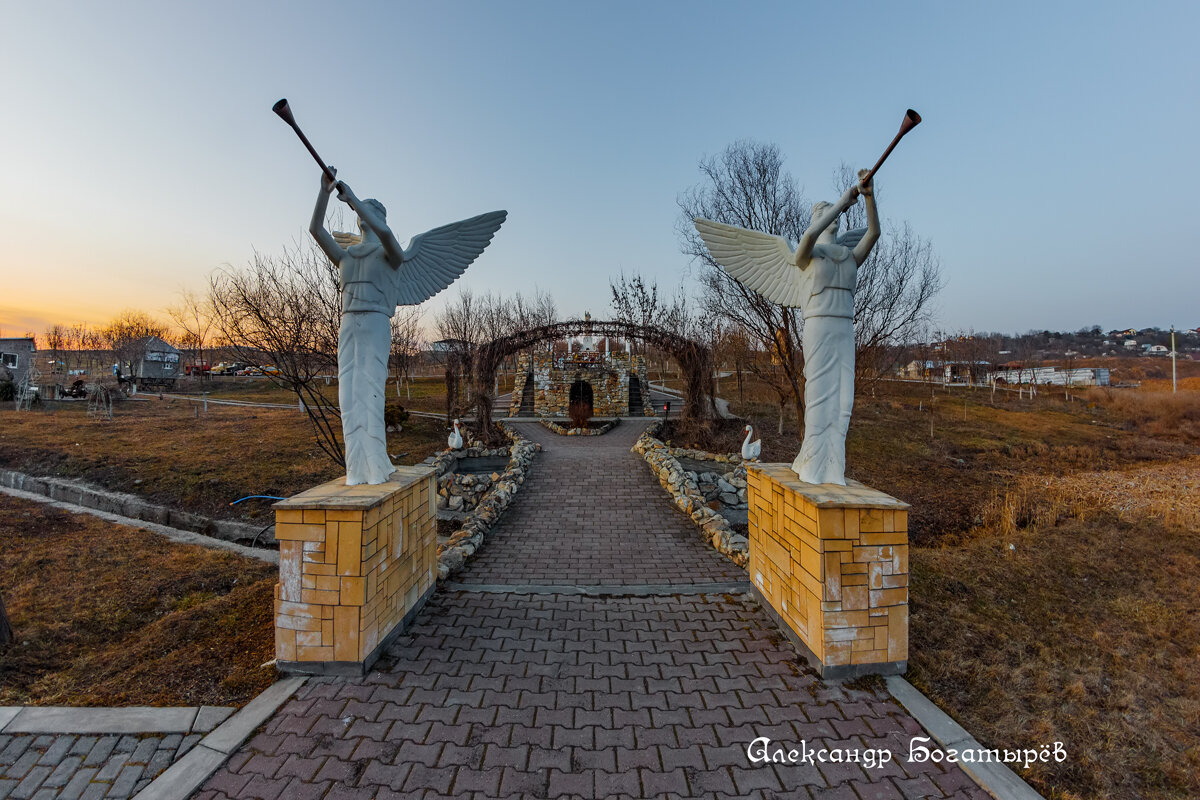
285	113
911	120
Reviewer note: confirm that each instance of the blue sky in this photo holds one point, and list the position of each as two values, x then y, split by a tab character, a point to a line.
1053	170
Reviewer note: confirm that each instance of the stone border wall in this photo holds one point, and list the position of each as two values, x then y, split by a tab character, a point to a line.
134	507
469	537
563	430
687	498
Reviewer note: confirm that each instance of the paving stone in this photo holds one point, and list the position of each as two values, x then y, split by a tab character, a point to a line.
515	694
30	783
100	751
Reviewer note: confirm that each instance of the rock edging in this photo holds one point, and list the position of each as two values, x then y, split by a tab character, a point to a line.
463	543
687	497
563	430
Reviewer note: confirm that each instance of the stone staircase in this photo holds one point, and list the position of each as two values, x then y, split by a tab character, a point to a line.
635	396
526	409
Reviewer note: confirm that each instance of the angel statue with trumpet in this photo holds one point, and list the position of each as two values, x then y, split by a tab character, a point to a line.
376	274
819	278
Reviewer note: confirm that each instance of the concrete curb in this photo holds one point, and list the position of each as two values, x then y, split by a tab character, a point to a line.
186	775
994	778
601	590
133	719
131	506
174	534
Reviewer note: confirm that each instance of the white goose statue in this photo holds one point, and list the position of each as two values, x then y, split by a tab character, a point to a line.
750	450
455	441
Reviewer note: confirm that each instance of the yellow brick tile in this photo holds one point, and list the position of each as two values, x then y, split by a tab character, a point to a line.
318	596
831	523
297	623
852	524
299	532
314	516
894	537
833	576
352	591
308	639
289	515
854	598
846	619
900	521
869	657
897	648
875	575
349	550
344	516
345	634
314	653
870	520
888	597
285	644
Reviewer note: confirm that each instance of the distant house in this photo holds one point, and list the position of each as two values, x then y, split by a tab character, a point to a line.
1130	344
155	362
16	356
917	369
1158	350
1052	376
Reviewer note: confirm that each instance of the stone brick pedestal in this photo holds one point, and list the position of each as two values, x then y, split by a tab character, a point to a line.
356	563
831	564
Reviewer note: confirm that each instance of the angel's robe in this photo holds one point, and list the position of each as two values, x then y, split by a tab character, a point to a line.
367	281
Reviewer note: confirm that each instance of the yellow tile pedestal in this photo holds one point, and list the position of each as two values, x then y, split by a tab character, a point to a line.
831	564
356	563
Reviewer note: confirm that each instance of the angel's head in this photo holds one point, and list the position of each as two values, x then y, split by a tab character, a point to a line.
378	206
820	208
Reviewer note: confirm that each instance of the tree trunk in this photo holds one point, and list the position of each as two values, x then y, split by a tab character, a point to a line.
6	632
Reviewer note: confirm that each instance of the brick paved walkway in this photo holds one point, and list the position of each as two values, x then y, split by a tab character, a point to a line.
496	694
591	512
67	767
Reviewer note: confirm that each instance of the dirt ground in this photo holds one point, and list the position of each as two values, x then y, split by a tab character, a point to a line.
103	614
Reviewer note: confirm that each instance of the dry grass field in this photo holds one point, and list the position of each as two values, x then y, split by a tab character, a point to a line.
1055	590
109	615
1056	567
166	451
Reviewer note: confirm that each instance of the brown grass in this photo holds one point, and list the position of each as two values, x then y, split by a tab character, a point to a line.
109	615
1086	630
161	450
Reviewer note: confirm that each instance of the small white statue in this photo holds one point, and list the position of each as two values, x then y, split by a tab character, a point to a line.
455	441
751	450
819	278
375	276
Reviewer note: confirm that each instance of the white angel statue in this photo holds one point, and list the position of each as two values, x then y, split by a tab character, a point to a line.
375	276
819	278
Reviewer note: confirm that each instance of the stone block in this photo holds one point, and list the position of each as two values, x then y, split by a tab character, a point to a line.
342	595
831	564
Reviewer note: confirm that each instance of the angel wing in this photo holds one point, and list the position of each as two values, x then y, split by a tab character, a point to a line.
346	240
436	258
851	238
759	261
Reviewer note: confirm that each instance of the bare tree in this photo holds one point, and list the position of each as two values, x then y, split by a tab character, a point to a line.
406	345
194	316
747	186
56	343
286	311
128	337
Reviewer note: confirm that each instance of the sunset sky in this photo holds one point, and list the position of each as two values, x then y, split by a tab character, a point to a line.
1054	173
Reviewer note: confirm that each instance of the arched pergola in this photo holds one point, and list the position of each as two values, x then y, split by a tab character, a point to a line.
695	360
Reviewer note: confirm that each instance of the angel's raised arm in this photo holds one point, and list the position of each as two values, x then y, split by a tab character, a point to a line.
863	248
316	227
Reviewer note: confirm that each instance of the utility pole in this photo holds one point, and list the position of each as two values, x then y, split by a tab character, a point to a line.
1173	389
